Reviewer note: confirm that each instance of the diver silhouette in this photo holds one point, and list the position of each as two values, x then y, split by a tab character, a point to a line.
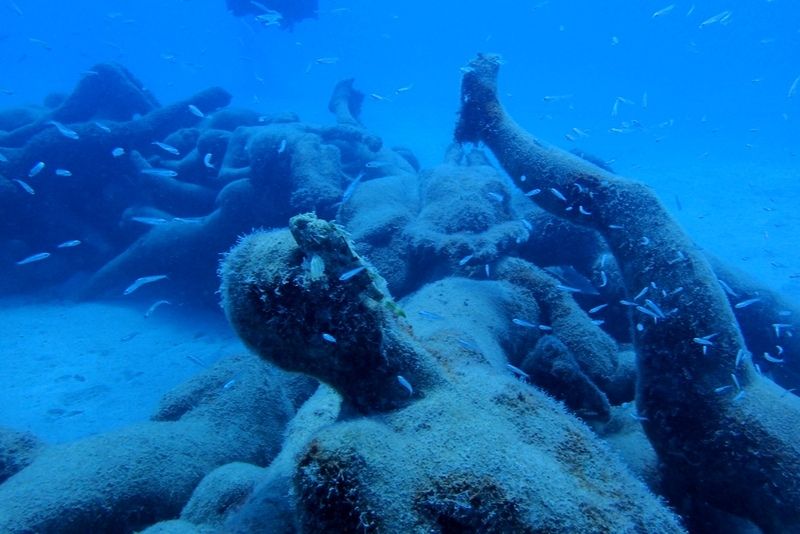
282	13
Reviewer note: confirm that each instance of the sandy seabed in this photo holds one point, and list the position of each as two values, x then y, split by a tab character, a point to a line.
75	369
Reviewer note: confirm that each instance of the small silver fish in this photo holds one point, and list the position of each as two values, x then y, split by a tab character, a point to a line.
570	289
463	261
641	293
351	273
523	323
152	221
207	161
167	148
25	187
103	127
655	307
282	146
63	172
155	306
70	244
40	42
16	8
519	373
331	60
159	173
735	381
194	359
406	384
719	17
34	258
778	327
36	169
351	188
558	194
663	11
597	308
746	303
117	152
741	354
188	220
793	88
727	288
269	18
194	110
651	313
329	338
63	130
139	282
556	98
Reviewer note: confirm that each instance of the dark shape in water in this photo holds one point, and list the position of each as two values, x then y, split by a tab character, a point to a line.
346	102
108	91
291	11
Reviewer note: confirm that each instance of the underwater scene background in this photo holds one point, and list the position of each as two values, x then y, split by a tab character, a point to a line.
482	267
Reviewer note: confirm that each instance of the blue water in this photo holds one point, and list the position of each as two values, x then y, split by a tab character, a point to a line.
716	83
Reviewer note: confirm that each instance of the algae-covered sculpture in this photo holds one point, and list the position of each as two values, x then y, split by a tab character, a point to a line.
465	352
307	302
132	477
455	442
727	434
